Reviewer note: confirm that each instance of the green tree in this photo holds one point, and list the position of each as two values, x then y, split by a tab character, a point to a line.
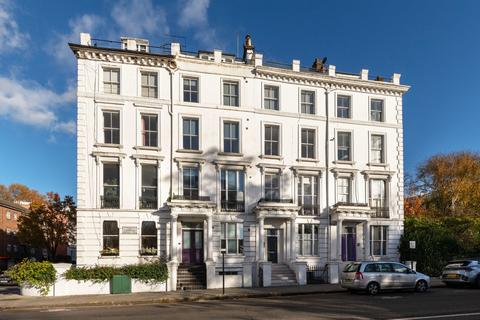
49	224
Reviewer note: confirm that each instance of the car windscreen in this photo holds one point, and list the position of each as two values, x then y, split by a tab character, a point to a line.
352	267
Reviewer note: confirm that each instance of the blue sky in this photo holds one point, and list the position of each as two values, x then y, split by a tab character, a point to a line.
433	44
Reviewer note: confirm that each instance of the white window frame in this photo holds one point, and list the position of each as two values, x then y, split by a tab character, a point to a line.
337	95
315	251
239	121
264	86
315	147
384	113
263	137
141	239
276	173
239	229
314	101
183	116
351	160
99	125
142	163
148	71
238	81
384	144
119	237
350	185
190	77
384	233
102	80
316	191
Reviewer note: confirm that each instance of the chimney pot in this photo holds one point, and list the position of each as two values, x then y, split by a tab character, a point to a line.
364	74
85	39
175	49
396	78
217	56
331	70
296	65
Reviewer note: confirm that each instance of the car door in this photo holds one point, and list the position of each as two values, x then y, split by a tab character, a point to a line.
386	276
403	278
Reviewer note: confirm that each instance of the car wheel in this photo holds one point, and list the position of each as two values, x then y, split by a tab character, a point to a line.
421	286
373	288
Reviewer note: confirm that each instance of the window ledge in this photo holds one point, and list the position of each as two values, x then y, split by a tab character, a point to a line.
371	164
190	151
147	148
108	257
265	156
344	162
231	154
308	160
108	145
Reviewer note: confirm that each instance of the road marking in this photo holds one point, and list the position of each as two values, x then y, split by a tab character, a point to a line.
441	316
56	310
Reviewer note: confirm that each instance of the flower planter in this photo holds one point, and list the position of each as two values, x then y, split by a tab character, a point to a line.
30	291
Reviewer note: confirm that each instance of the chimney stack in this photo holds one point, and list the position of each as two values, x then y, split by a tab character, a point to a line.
248	49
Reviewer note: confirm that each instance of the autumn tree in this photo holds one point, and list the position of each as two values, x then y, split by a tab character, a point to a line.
20	192
449	185
49	223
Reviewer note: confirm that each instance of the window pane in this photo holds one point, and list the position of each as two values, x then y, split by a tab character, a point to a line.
149	175
111	174
149	228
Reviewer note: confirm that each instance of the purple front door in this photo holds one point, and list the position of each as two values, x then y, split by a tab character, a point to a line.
349	244
192	246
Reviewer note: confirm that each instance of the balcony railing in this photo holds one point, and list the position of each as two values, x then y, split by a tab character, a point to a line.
110	202
148	203
380	210
233	206
191	197
308	210
276	200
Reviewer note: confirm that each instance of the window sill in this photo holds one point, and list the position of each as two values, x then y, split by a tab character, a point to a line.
231	154
308	160
108	145
371	164
147	148
265	156
189	151
344	162
109	257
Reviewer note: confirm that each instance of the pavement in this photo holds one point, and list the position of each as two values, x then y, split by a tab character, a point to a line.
10	298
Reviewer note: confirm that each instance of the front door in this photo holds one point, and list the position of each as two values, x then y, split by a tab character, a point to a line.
349	244
192	246
272	245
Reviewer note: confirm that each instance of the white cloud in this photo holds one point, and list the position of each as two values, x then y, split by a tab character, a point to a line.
10	35
29	103
194	15
58	46
139	18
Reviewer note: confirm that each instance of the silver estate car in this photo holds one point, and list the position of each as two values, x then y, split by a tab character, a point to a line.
374	276
462	272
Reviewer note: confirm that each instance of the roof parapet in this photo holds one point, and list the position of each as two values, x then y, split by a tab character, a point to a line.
331	70
175	49
296	65
396	78
364	74
85	39
258	59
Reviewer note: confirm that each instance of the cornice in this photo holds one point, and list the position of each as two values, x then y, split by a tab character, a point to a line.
123	56
329	82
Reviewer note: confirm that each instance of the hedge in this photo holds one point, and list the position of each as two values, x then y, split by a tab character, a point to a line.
152	272
439	240
40	275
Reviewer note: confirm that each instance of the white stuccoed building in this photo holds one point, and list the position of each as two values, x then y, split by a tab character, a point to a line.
182	155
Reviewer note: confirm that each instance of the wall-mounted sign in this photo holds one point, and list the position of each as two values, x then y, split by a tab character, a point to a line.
129	230
413	244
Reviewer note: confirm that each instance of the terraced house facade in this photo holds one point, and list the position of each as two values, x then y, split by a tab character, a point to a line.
283	169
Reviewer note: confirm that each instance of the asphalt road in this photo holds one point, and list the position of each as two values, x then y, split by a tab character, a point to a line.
439	303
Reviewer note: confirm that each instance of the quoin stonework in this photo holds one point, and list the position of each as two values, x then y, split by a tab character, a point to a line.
291	171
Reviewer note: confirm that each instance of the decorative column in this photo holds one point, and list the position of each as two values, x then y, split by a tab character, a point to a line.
173	237
366	237
288	240
261	238
210	237
293	238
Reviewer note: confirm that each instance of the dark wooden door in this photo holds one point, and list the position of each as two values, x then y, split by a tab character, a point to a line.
272	245
192	246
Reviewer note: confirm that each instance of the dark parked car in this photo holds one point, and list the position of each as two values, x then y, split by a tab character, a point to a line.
466	272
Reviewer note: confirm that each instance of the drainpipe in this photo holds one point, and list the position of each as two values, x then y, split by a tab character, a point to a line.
170	112
327	165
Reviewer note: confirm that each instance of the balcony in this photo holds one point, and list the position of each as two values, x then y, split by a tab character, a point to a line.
233	206
308	210
191	197
276	200
350	211
148	202
379	209
109	202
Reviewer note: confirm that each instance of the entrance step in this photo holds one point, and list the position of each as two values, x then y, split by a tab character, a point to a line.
282	276
191	277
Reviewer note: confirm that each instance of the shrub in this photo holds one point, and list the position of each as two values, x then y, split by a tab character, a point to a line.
40	275
153	272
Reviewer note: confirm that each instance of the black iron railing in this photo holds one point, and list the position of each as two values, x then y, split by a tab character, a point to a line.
148	203
191	197
233	206
308	210
276	200
109	202
380	210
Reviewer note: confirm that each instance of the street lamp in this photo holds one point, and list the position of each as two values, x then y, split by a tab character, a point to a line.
223	270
